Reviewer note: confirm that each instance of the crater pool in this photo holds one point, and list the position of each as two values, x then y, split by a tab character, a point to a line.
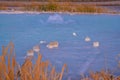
28	30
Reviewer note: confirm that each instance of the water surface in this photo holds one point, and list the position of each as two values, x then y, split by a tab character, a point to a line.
27	30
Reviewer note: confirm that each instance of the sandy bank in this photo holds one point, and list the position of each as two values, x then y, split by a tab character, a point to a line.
49	12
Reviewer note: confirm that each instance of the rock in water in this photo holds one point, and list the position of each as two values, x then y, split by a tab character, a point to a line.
36	48
87	39
53	44
96	44
30	53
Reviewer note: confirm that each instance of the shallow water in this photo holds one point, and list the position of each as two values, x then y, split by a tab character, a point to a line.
27	30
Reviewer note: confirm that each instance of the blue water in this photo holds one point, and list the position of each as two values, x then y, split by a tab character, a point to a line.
27	30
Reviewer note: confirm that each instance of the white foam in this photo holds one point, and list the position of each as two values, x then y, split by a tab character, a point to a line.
42	42
74	34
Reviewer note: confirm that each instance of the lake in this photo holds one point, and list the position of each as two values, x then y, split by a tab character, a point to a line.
28	30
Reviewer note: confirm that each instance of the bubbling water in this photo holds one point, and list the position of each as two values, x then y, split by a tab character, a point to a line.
56	18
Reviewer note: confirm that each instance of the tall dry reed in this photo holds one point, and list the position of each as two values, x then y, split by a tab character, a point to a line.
40	70
101	75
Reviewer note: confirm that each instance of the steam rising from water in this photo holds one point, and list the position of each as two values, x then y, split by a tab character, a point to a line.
55	19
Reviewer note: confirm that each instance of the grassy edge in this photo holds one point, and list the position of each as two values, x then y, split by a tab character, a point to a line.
55	7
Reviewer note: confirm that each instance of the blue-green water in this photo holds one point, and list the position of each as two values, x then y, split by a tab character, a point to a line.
27	30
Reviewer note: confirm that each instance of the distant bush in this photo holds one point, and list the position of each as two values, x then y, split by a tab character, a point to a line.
48	7
52	6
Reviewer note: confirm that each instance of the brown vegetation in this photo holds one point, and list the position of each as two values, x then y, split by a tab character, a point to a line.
64	0
52	6
40	70
102	75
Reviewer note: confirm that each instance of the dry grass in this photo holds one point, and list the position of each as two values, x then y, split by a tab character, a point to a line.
53	6
40	70
69	7
11	70
102	75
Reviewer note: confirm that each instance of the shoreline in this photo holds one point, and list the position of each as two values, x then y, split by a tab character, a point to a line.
52	12
11	7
